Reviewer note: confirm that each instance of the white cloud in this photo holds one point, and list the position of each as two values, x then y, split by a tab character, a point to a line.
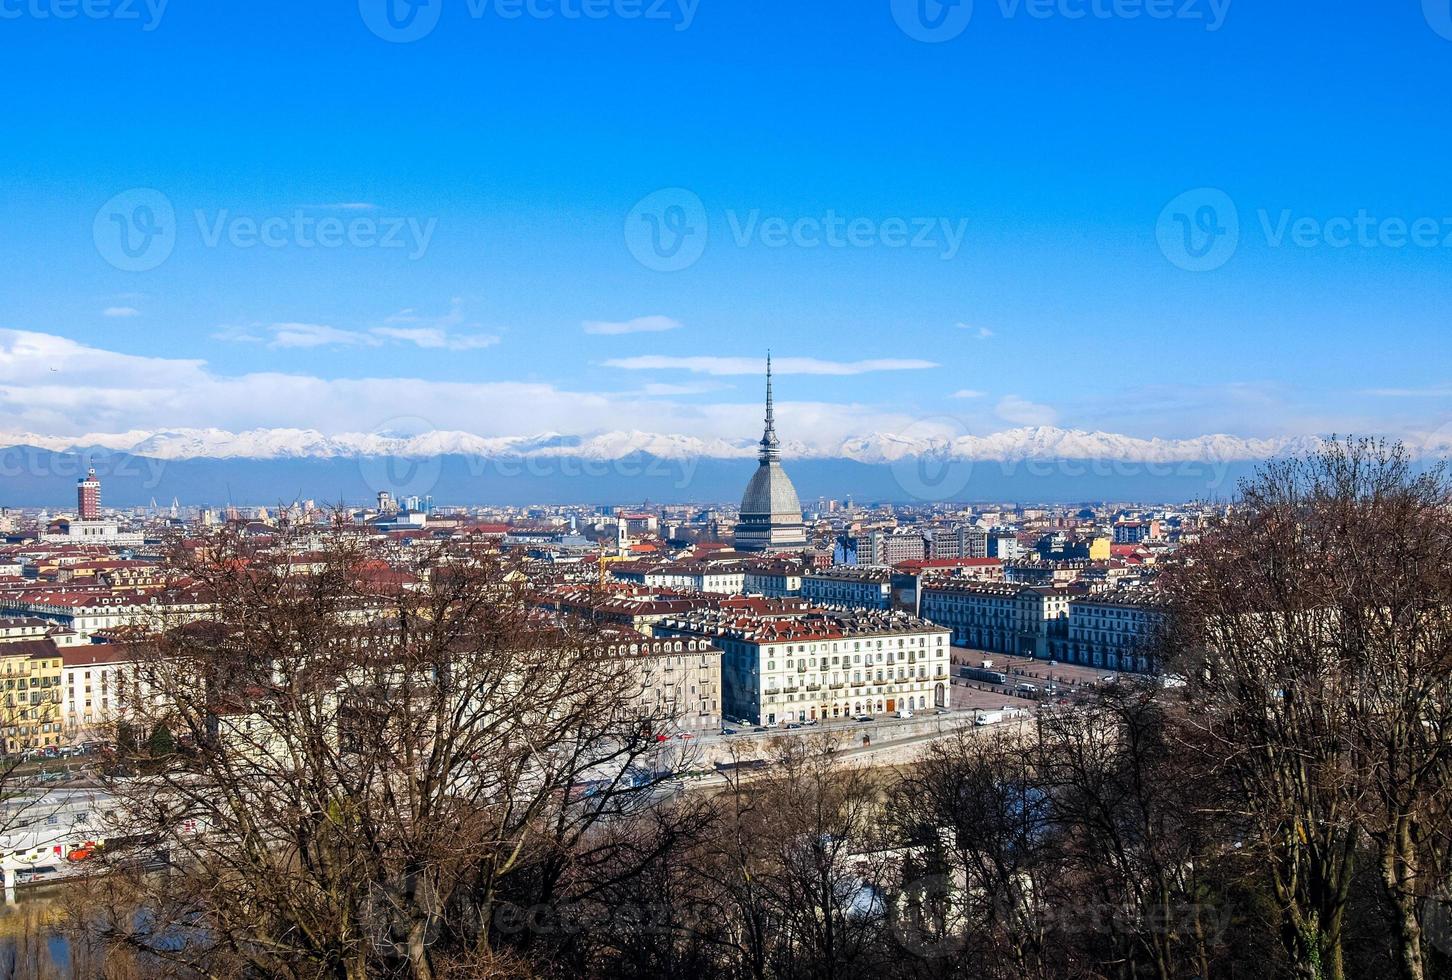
433	338
120	311
1021	411
641	324
92	390
667	390
406	326
53	386
979	333
966	393
1440	391
724	366
237	335
285	335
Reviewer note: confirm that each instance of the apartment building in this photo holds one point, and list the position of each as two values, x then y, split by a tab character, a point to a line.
853	586
688	576
96	682
998	616
1113	629
821	665
679	679
30	700
774	579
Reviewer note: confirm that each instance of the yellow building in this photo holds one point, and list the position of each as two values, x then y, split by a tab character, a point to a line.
30	694
1099	548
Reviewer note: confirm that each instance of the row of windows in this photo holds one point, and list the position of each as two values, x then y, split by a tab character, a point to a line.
811	662
902	642
11	684
840	711
837	679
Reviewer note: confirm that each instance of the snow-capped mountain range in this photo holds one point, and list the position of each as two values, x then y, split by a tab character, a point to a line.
1026	443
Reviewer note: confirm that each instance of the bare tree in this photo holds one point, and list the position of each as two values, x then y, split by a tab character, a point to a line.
793	870
369	760
1136	831
974	820
1311	627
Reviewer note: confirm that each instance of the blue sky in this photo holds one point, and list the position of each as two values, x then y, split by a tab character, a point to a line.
1034	154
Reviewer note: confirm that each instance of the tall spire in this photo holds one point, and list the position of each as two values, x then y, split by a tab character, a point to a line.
770	447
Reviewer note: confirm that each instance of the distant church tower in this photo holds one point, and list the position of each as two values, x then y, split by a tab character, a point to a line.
771	514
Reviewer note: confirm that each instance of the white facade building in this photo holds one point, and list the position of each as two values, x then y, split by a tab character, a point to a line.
1024	620
819	666
855	586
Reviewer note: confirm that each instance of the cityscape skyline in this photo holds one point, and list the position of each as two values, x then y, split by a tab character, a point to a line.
677	489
